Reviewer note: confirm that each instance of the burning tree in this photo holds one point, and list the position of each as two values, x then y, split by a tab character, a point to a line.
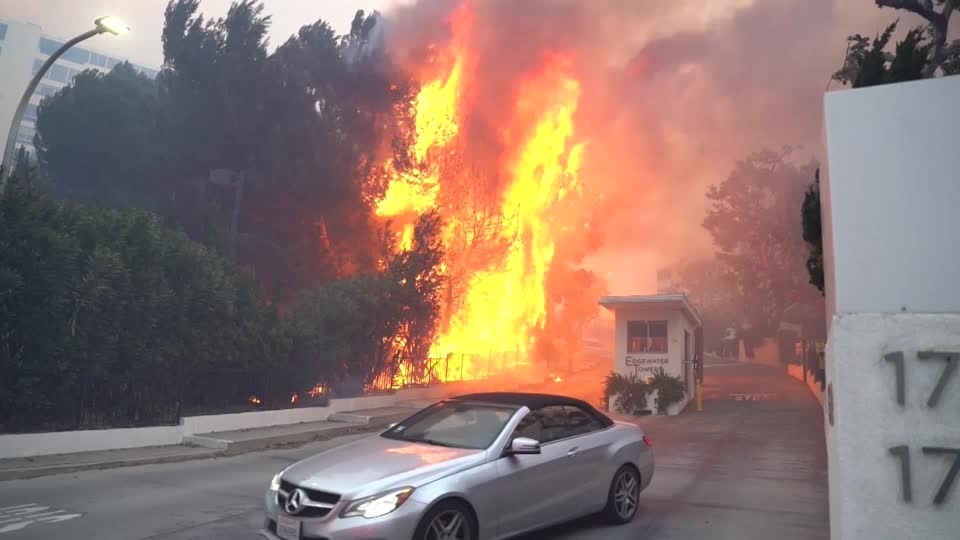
496	189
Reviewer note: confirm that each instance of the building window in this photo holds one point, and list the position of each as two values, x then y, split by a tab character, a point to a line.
25	135
646	337
98	60
49	46
46	90
30	113
37	64
58	73
3	31
77	56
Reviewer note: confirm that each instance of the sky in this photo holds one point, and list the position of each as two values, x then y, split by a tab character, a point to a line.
716	80
67	18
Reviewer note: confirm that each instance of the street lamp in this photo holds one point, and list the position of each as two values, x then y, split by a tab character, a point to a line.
103	25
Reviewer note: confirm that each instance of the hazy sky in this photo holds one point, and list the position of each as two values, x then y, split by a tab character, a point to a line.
66	18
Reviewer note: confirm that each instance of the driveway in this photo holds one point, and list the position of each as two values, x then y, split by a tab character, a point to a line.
752	465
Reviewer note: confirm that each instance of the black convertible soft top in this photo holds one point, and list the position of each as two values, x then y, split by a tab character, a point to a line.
532	401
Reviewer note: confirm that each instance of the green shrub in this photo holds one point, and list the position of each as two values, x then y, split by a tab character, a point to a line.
669	389
631	392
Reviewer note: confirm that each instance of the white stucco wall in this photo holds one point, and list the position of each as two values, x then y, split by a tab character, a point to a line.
890	193
866	493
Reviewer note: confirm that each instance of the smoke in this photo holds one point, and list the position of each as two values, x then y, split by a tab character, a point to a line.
674	94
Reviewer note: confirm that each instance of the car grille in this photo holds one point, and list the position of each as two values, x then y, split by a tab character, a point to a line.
320	502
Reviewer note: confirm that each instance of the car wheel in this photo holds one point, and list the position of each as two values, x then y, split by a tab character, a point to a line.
448	520
623	496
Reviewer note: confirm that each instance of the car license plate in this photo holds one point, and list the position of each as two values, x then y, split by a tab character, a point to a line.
288	528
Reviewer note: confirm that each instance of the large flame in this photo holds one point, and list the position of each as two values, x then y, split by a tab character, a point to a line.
502	301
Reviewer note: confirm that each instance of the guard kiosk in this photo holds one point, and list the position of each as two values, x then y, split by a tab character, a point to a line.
657	331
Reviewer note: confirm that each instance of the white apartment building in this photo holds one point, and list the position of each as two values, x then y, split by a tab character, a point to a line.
23	49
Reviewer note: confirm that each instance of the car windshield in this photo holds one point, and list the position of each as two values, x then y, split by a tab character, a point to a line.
454	424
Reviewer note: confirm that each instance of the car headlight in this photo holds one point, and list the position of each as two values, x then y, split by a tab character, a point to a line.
377	505
275	483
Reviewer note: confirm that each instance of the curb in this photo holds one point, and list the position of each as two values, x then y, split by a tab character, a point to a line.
233	449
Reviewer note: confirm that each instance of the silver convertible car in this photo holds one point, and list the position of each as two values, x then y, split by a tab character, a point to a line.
475	467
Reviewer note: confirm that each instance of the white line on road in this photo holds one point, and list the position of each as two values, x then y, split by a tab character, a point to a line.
723	364
24	511
15	518
752	397
5	508
5	519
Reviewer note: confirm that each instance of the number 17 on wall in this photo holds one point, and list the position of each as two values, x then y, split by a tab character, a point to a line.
902	452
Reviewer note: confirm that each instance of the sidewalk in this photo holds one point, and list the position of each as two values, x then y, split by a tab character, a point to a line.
208	445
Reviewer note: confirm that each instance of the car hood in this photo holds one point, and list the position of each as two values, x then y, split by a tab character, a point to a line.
374	464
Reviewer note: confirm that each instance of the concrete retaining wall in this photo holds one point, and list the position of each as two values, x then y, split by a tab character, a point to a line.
796	371
192	425
62	442
40	444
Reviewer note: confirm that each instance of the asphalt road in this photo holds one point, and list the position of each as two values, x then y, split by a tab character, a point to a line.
750	466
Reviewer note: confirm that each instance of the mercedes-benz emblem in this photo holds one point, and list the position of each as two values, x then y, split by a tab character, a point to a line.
295	501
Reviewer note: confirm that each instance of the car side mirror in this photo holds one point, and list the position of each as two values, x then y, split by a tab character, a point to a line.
523	446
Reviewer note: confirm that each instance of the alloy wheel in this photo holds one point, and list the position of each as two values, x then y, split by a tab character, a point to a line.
447	525
626	493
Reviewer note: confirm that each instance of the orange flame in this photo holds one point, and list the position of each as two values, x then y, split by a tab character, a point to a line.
503	303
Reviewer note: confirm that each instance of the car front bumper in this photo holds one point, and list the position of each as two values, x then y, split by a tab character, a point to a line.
401	523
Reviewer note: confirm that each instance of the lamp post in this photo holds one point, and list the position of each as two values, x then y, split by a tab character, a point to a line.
103	25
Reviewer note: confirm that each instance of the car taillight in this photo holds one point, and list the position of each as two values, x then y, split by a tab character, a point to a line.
647	441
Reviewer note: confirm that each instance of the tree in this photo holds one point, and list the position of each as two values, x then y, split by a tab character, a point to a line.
750	220
813	232
101	139
710	286
868	63
921	53
212	77
357	331
107	316
939	55
572	306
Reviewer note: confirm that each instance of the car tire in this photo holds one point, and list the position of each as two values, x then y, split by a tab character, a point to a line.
623	497
446	514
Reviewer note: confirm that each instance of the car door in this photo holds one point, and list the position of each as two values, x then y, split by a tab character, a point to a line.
589	461
532	487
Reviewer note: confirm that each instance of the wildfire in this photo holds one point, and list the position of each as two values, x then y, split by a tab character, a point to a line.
502	302
317	391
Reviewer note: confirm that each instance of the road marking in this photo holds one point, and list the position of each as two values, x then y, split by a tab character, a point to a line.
15	518
4	509
752	397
